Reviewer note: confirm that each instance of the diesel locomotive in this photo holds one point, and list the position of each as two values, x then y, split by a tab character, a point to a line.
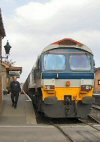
61	83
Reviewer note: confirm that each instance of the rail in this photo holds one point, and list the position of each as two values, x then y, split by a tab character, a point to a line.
94	119
96	107
89	124
62	131
95	113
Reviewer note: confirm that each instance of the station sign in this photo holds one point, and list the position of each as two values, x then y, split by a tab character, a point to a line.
14	73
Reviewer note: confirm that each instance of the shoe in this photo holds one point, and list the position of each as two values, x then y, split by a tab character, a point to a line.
12	104
15	106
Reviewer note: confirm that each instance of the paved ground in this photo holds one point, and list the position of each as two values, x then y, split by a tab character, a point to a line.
82	133
31	134
44	133
19	125
22	115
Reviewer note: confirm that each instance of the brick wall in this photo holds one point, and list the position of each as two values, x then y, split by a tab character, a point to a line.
0	92
2	35
97	81
2	32
0	45
0	74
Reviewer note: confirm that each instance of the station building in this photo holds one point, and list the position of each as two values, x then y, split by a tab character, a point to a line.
97	86
7	71
97	80
2	35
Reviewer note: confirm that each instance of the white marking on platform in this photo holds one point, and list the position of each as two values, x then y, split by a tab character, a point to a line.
28	100
96	125
27	96
35	126
42	126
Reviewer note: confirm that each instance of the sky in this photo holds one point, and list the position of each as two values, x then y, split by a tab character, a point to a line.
31	25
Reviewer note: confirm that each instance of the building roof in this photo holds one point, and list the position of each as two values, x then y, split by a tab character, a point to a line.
66	43
5	64
97	69
11	68
2	30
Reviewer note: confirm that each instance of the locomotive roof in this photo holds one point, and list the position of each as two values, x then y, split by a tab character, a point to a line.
65	43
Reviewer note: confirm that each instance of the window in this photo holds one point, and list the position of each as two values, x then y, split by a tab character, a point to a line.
54	62
98	82
80	62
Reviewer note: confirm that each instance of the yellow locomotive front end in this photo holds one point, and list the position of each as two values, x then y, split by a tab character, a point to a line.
67	101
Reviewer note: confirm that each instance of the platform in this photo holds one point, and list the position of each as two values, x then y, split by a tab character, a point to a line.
20	125
22	115
45	133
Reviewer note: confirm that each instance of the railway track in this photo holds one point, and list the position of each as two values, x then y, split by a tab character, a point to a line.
62	131
60	124
57	123
96	107
90	124
95	113
93	117
87	122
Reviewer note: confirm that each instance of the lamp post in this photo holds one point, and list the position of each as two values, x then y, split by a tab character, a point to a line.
7	50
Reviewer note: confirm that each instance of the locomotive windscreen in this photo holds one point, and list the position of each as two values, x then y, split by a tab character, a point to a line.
54	62
70	59
80	62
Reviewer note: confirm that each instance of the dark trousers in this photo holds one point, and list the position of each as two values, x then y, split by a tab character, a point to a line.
14	98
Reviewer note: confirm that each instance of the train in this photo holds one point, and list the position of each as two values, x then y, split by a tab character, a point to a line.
61	83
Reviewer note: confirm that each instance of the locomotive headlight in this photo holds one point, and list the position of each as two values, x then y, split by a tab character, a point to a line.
49	87
86	87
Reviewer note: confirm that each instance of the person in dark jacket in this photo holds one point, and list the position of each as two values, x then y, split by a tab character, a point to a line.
15	89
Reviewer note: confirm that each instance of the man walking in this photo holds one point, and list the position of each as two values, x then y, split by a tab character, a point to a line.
15	89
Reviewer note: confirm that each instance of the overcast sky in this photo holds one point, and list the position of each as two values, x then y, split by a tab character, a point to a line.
31	25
